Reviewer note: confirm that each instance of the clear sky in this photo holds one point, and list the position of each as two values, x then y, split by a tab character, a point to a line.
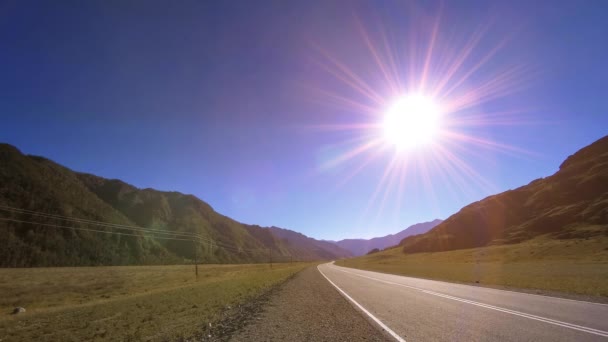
260	107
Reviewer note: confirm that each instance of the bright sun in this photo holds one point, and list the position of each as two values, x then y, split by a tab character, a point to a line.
412	121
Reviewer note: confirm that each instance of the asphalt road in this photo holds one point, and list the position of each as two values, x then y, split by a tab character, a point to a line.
414	309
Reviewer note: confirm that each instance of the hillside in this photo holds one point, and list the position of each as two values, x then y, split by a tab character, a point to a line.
43	186
325	249
571	204
362	246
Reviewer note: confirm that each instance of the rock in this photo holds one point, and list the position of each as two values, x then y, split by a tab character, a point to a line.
18	310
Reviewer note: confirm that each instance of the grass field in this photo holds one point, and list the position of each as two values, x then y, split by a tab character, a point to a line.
576	266
132	303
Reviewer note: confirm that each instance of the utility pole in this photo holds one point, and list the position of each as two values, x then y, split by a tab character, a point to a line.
195	259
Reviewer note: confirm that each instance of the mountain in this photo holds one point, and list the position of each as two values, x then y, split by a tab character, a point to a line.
325	249
362	246
53	216
572	203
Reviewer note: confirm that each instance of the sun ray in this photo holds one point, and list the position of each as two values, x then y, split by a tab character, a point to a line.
351	154
381	65
429	54
368	160
474	69
488	144
385	174
499	86
388	189
350	78
486	118
349	127
393	62
343	102
440	113
401	188
458	62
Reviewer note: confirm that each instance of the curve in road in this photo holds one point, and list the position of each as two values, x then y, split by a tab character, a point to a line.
419	309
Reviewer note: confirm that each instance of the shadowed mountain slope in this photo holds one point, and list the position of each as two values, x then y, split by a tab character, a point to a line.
572	203
43	186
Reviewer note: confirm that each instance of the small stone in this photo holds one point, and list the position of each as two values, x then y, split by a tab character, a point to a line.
18	310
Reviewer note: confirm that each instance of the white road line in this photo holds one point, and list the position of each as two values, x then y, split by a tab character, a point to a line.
493	289
487	306
523	314
379	322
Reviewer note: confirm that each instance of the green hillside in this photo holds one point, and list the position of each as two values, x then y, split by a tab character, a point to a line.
42	186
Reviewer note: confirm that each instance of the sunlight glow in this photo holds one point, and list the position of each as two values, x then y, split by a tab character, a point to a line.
411	122
425	106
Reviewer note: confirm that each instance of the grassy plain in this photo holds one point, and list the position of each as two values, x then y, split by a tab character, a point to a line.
128	303
577	266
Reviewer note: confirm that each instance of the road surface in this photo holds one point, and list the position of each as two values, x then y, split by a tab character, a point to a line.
308	308
413	309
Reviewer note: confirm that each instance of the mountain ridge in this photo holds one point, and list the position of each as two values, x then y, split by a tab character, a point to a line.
571	203
41	186
362	246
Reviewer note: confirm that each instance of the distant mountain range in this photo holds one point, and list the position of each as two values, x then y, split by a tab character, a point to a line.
317	248
362	246
572	203
53	216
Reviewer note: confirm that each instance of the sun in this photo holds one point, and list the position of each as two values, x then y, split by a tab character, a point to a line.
411	121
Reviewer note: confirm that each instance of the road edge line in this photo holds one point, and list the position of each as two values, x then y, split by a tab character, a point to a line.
493	307
360	307
479	286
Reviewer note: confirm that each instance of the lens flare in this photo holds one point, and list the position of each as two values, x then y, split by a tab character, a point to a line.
427	90
412	121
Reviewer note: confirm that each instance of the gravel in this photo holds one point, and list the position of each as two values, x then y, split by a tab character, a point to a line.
307	308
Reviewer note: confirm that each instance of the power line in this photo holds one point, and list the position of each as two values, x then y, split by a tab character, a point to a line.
99	223
127	227
173	235
282	257
87	229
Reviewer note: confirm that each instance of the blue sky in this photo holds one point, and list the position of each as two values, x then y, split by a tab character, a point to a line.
228	100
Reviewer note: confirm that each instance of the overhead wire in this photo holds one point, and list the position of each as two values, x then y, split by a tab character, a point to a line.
86	229
88	221
172	235
122	226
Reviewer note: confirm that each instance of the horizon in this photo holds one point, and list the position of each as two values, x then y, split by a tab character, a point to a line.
288	228
266	135
247	223
314	237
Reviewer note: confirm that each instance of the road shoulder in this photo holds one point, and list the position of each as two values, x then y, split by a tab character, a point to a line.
308	308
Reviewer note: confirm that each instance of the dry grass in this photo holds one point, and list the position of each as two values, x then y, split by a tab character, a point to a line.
578	266
134	303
